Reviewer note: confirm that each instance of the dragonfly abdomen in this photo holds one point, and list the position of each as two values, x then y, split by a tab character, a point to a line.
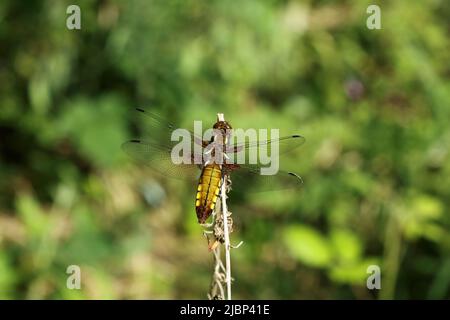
208	191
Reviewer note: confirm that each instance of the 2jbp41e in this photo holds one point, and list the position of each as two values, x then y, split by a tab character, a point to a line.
237	309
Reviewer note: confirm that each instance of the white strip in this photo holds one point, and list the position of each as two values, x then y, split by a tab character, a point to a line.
227	239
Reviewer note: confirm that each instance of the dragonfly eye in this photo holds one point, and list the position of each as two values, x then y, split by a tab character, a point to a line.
222	125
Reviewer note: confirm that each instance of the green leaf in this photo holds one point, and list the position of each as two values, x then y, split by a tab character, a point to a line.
355	273
307	245
346	245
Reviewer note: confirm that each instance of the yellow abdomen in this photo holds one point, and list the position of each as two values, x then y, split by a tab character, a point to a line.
208	191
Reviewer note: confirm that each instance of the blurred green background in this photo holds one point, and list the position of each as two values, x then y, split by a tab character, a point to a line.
374	106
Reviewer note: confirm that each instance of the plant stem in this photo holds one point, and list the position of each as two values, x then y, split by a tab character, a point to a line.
221	229
227	238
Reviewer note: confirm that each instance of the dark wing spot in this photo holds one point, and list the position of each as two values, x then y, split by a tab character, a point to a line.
297	176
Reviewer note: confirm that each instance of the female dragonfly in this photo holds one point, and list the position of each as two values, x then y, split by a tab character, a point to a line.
214	160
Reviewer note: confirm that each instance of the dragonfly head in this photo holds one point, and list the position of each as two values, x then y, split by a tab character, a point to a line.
222	125
222	129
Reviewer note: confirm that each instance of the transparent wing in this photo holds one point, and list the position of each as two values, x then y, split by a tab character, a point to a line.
156	153
158	157
286	144
249	177
291	141
163	126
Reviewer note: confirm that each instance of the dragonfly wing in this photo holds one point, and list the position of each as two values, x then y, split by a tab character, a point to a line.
249	177
159	158
156	121
286	144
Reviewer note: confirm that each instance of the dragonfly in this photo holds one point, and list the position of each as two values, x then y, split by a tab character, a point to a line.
202	166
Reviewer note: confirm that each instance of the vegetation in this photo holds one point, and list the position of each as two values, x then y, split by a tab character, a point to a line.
372	104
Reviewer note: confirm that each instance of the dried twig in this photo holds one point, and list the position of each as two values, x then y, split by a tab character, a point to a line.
220	234
227	238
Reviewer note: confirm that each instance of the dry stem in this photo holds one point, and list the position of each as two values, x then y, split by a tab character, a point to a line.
221	226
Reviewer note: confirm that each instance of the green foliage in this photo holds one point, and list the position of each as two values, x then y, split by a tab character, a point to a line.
307	245
372	104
